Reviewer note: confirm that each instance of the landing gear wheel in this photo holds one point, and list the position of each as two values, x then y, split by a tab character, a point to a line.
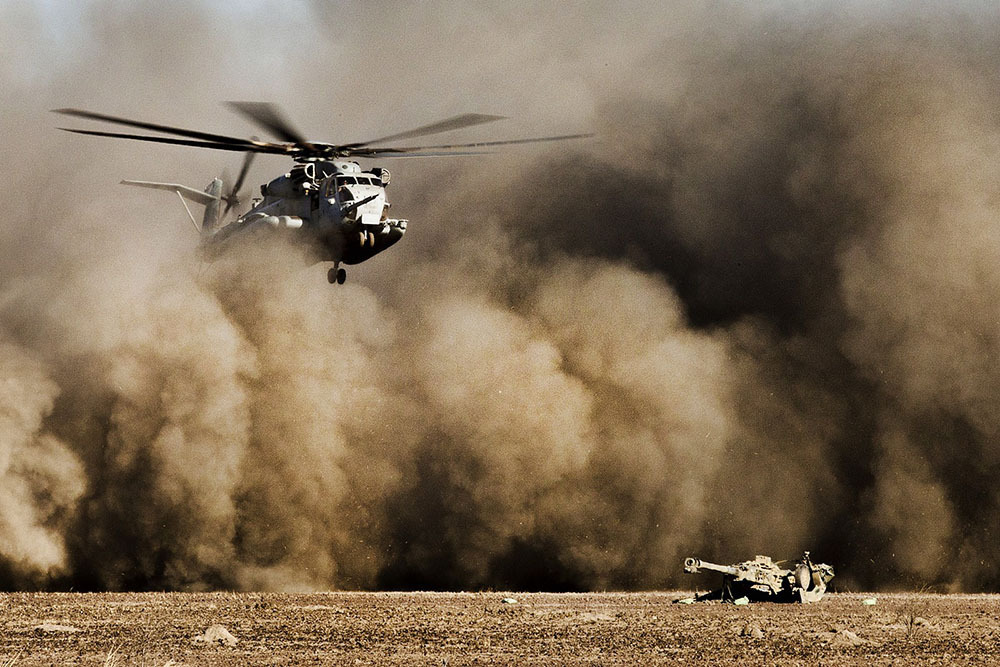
336	276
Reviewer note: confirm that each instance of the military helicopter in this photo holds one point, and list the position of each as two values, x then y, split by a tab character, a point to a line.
326	198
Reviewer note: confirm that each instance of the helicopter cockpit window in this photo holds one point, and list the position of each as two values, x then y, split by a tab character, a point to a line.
346	180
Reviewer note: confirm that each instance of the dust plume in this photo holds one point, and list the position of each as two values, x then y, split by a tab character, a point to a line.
756	315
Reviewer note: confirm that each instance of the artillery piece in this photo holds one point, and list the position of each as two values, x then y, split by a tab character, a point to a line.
763	580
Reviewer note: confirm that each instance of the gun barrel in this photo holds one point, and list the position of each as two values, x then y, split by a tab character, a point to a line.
346	210
695	565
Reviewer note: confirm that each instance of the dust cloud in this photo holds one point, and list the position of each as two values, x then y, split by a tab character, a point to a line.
757	314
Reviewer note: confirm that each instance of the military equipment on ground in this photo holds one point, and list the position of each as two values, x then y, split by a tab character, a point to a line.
326	199
763	580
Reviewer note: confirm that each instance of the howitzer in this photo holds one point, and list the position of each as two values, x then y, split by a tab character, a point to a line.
761	579
695	565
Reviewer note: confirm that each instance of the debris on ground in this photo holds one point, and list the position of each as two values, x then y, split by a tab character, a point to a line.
55	627
741	601
594	617
751	630
217	635
837	637
684	601
846	638
509	601
321	607
911	623
869	602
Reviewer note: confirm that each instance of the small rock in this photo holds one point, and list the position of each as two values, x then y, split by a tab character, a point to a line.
55	627
869	602
752	630
684	601
846	638
509	601
836	637
217	635
742	601
594	617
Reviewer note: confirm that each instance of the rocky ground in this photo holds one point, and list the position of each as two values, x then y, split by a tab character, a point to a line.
158	629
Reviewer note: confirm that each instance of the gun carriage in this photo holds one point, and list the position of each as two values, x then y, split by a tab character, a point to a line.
763	580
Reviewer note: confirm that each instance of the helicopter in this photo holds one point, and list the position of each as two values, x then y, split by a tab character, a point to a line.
326	198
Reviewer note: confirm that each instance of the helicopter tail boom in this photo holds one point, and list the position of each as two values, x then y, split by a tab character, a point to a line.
210	198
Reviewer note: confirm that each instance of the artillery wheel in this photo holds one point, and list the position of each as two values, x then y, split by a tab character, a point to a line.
803	577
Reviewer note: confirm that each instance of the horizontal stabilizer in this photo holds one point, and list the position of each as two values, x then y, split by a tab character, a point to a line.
196	196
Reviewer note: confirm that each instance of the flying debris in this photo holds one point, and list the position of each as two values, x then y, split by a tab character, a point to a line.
762	580
326	198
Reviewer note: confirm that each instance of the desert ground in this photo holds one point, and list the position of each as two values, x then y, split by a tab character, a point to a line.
158	629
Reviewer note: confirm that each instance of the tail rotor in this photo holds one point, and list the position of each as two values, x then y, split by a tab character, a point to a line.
233	199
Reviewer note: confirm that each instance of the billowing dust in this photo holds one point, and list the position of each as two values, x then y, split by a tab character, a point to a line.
758	314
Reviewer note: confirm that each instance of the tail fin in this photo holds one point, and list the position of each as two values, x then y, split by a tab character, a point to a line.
211	218
210	199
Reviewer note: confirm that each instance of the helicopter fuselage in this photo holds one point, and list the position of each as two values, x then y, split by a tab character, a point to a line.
326	199
339	209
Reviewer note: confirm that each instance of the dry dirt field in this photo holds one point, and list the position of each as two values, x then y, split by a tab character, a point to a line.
158	629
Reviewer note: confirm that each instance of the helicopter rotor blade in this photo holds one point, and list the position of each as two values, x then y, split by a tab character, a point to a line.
167	129
267	116
299	149
247	161
254	147
454	123
422	154
388	151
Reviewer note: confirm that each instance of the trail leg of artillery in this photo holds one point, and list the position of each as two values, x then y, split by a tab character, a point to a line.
463	628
